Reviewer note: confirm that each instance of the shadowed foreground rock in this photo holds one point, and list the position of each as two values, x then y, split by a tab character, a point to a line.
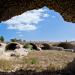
10	8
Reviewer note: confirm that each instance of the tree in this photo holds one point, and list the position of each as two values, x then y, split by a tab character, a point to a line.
14	40
1	38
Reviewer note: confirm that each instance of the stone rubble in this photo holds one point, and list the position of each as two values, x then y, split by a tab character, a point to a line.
9	54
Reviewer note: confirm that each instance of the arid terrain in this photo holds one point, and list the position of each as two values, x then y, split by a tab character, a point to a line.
26	60
38	61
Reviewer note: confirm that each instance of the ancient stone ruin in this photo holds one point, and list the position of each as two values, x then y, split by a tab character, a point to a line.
12	46
46	46
66	45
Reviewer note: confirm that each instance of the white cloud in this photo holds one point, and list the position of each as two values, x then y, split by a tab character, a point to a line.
22	27
20	35
27	21
46	15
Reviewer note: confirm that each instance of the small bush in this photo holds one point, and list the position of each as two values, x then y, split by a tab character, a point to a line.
33	61
28	46
1	38
14	40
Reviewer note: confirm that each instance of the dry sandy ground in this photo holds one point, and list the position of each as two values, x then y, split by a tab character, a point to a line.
38	61
34	60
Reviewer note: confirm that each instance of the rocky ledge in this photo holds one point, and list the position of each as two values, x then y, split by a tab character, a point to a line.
10	8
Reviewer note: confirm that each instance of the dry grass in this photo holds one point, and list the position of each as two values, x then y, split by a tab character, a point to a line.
39	60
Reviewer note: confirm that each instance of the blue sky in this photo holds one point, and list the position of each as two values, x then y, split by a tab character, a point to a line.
42	24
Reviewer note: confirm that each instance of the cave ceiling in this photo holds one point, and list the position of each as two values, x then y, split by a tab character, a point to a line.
10	8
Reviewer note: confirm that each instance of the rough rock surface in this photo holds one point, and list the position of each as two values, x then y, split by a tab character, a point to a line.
16	53
10	8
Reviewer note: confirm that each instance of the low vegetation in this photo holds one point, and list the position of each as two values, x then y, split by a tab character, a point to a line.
1	38
28	46
39	60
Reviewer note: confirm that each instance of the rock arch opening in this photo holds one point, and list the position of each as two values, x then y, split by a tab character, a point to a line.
0	44
66	45
46	46
12	46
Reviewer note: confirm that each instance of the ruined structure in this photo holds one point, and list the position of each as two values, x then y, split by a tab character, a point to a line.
31	46
41	45
46	46
66	45
12	46
10	8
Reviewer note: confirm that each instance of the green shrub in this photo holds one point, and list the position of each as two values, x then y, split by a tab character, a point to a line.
28	46
1	38
34	61
14	40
